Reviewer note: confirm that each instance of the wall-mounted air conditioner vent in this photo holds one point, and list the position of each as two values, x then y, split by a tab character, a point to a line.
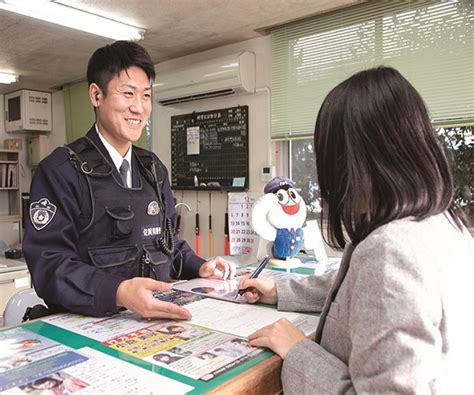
217	77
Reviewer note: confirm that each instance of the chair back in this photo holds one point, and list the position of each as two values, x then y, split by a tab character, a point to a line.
17	305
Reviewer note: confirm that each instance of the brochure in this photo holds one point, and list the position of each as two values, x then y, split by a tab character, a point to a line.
228	289
33	364
180	346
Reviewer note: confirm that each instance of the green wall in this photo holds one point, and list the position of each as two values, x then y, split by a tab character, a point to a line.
79	113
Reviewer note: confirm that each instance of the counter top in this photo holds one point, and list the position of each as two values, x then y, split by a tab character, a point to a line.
12	265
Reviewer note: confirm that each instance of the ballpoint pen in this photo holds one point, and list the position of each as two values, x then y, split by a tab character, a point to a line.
255	274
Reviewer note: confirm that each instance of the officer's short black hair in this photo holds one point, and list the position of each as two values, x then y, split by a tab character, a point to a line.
107	62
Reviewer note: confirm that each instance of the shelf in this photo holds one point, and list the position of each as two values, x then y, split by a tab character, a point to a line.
10	193
9	151
10	218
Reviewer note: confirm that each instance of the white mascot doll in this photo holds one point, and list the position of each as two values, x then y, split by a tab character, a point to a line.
278	218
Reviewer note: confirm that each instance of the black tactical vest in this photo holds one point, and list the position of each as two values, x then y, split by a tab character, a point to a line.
128	234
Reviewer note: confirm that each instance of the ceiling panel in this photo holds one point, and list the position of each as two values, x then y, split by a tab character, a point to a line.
47	56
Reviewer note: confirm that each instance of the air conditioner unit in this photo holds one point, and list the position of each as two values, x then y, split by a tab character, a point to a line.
217	77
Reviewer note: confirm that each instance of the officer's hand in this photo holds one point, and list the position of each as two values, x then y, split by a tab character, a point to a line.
136	295
217	267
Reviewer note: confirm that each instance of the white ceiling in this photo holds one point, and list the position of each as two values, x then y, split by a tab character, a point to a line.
47	56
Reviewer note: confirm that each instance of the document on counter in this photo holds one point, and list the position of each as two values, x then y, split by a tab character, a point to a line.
205	347
227	289
180	346
31	363
244	319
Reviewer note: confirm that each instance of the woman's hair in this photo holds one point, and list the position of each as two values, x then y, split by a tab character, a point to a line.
378	157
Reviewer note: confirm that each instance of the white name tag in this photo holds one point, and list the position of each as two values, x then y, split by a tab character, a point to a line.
151	231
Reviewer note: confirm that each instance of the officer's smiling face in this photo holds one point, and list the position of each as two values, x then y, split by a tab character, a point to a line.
122	114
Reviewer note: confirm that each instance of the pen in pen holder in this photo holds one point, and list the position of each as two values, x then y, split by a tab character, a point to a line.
255	274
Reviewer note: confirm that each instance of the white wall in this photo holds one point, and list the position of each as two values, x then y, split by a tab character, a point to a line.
260	146
56	138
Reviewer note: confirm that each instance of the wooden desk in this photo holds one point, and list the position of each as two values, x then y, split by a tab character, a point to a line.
262	379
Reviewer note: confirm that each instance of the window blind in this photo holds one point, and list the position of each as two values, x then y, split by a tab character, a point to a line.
429	42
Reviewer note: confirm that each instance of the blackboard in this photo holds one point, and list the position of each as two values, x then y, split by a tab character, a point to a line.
209	150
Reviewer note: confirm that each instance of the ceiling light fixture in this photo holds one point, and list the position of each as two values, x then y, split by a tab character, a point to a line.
6	78
74	18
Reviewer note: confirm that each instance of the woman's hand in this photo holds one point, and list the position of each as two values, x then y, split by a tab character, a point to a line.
259	290
217	268
278	337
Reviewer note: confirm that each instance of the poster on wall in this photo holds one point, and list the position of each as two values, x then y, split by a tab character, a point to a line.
242	238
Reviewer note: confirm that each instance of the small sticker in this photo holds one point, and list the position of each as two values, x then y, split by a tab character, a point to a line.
42	213
153	208
238	182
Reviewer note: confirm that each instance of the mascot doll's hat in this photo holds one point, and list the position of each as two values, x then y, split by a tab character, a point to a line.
278	183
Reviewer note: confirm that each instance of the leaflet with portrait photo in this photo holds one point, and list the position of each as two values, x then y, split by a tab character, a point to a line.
180	346
33	364
228	289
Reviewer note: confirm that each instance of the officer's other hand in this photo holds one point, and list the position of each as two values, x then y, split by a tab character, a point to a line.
136	295
217	267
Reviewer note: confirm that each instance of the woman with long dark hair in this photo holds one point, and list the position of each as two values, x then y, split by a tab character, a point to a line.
392	319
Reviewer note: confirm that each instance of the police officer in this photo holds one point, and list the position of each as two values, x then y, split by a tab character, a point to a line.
100	235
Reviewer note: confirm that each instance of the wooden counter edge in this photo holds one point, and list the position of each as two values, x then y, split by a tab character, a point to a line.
263	378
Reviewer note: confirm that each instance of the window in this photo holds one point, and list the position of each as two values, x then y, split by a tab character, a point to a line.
303	172
459	144
429	41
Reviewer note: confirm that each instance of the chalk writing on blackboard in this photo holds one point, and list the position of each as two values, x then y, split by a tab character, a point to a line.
212	147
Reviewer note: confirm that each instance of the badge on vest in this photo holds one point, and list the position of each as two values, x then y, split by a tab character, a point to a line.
153	208
42	213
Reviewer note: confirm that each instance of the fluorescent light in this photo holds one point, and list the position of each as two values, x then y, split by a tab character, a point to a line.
72	17
6	78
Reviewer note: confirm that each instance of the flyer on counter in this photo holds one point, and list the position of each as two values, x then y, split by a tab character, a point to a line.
180	346
228	289
33	364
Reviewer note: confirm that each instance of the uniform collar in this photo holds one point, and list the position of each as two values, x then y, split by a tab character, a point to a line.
114	155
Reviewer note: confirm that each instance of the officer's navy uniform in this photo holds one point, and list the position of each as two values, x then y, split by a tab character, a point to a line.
87	232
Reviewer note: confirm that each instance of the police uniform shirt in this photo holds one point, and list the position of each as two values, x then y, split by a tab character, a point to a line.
116	157
60	208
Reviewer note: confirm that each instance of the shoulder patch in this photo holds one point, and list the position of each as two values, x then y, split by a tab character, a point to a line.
42	213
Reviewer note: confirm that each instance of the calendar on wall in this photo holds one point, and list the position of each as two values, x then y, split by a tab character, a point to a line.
242	239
